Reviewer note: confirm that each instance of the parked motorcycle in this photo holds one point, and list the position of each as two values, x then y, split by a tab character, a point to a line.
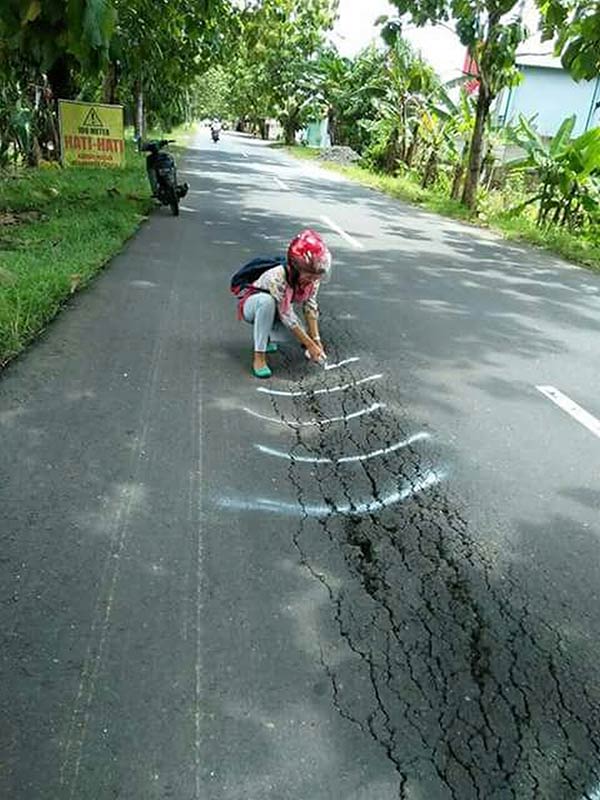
162	174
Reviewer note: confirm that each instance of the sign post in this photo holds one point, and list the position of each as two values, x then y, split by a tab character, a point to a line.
91	134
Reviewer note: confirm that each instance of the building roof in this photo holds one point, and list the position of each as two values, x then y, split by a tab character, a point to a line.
546	60
533	52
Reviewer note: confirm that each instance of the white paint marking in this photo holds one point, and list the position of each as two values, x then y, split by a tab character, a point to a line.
417	437
191	210
342	363
281	184
245	154
312	422
594	795
144	284
331	390
350	239
196	498
571	407
130	497
369	507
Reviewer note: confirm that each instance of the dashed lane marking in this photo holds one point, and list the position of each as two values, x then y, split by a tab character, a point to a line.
350	239
572	408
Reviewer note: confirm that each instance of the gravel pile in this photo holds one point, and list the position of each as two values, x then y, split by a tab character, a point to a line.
340	155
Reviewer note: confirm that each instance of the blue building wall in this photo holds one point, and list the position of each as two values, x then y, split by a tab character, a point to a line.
552	95
316	133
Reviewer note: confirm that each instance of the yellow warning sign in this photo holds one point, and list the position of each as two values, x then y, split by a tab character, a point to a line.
91	134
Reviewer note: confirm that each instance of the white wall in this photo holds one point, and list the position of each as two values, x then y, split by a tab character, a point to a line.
552	95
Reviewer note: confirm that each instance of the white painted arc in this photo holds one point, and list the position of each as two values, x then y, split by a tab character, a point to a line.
314	422
346	236
332	390
572	408
359	509
594	795
417	437
343	363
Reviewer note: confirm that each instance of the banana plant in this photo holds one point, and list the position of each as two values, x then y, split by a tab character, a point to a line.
568	171
410	82
459	116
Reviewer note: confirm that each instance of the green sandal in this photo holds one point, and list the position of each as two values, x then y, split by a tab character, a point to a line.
263	372
272	347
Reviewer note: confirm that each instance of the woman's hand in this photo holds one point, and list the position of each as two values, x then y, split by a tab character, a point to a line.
316	351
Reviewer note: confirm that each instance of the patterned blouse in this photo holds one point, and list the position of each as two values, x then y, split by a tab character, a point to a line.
274	281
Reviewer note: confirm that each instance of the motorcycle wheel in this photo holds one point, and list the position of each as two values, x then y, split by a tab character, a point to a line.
174	202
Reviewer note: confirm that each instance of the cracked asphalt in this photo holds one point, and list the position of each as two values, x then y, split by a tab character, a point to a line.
387	591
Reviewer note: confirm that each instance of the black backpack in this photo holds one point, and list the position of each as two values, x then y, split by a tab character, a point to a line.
253	270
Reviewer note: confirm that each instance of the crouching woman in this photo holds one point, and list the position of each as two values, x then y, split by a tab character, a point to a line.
268	289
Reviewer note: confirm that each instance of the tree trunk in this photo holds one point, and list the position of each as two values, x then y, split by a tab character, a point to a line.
401	146
109	85
412	148
430	170
332	126
487	167
459	171
391	153
139	110
60	78
34	154
289	130
484	100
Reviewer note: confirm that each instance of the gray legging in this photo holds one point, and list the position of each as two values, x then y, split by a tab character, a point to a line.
260	309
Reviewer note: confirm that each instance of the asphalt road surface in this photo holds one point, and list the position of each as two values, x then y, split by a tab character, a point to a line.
374	581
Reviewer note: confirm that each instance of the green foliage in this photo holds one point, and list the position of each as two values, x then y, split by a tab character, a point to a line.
408	86
275	67
491	32
44	32
133	51
64	225
577	24
211	95
351	89
568	171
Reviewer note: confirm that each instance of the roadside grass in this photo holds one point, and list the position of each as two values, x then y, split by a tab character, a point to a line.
58	228
576	248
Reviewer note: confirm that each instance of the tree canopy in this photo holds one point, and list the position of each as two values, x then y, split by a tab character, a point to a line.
491	31
577	25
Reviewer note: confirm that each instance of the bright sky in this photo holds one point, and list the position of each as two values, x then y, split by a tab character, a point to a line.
438	45
356	28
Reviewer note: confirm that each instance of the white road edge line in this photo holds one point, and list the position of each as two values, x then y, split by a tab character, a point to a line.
417	437
572	408
314	422
281	184
350	239
330	390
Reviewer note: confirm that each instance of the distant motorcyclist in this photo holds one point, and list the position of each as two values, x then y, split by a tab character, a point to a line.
215	129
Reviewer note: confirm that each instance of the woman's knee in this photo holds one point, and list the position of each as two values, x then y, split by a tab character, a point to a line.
267	301
266	305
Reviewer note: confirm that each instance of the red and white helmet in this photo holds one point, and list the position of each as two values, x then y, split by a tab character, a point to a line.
308	255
